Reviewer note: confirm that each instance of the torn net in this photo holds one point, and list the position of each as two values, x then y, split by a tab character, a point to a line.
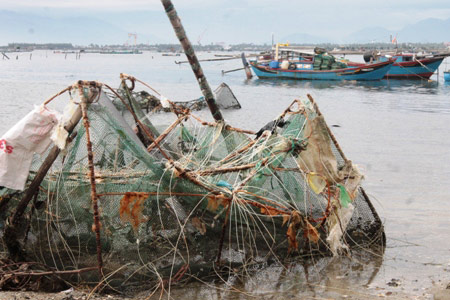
193	198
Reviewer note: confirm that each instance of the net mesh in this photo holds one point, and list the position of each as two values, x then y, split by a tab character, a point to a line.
224	96
202	197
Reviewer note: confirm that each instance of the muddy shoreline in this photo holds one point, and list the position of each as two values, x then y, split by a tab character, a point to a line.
439	291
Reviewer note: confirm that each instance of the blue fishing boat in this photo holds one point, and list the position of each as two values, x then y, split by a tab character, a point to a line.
447	76
407	65
293	64
308	70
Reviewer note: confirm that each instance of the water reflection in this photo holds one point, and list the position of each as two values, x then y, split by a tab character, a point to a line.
330	277
392	85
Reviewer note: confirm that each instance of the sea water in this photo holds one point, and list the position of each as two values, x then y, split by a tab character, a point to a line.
396	131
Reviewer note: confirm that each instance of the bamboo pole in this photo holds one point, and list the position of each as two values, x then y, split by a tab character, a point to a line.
227	127
192	58
166	132
136	119
134	105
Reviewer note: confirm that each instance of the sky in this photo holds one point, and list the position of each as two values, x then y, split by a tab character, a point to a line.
235	21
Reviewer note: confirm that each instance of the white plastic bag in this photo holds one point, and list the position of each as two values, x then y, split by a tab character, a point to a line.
338	229
164	102
60	134
17	145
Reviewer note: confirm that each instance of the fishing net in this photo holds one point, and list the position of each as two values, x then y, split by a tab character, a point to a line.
192	199
148	102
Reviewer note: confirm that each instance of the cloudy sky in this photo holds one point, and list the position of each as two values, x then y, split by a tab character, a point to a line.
236	21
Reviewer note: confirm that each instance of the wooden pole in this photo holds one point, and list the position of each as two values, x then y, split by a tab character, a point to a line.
209	59
248	71
234	70
192	58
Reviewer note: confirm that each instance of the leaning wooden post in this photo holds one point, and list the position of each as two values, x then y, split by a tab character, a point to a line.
248	71
4	55
192	58
94	196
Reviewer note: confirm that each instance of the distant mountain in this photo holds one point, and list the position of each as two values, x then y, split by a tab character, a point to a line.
425	31
369	34
303	38
30	28
203	24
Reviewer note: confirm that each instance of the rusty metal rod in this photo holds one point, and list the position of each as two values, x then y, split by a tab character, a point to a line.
94	196
192	58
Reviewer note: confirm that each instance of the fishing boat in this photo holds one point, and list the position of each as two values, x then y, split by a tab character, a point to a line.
447	76
447	73
407	65
317	66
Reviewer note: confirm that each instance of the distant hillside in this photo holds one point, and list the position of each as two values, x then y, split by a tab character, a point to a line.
369	34
425	31
232	25
26	27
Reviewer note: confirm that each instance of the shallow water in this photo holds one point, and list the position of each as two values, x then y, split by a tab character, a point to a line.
396	131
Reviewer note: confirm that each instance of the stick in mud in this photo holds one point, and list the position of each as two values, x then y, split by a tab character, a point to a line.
192	58
229	71
209	59
248	71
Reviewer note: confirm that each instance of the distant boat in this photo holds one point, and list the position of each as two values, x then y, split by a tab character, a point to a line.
135	51
317	66
408	65
64	52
